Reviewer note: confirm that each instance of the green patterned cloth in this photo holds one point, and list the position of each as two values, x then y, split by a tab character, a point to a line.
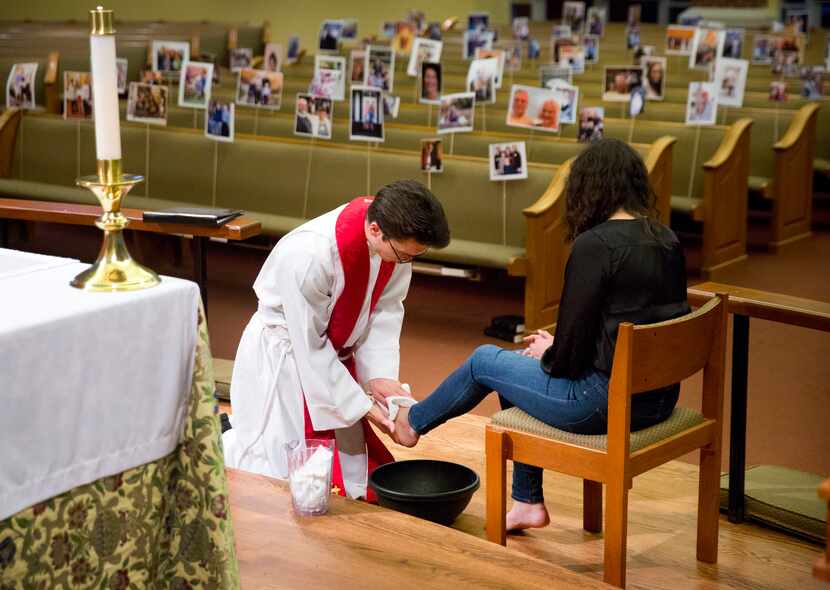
165	524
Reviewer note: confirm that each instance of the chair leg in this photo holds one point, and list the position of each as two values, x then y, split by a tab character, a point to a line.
616	531
708	506
496	472
592	506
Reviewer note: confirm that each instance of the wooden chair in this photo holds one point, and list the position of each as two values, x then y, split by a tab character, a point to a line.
646	357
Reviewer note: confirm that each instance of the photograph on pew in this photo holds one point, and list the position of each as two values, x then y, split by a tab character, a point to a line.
349	29
679	40
418	20
292	54
562	31
473	40
549	73
430	83
151	77
790	43
508	161
258	88
642	52
478	21
456	113
403	38
556	45
635	12
512	55
534	49
330	75
379	68
77	95
387	29
568	98
619	81
707	46
637	102
655	77
330	33
812	82
313	116
147	103
730	79
169	57
121	80
733	44
591	124
366	114
423	50
240	58
573	15
778	91
521	28
272	58
432	155
433	31
500	55
481	79
219	121
702	103
596	21
573	57
590	46
763	48
195	81
798	20
533	108
357	65
632	36
391	106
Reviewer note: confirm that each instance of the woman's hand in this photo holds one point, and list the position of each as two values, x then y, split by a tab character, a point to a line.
537	344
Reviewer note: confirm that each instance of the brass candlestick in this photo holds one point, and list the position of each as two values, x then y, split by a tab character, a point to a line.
115	270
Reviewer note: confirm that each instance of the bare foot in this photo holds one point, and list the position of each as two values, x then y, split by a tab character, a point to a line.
527	516
404	434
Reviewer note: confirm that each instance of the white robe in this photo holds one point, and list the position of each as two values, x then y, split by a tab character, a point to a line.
285	353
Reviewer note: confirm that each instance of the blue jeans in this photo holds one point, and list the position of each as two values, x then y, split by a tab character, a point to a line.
579	406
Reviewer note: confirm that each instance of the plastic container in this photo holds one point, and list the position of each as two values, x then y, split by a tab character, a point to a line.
309	475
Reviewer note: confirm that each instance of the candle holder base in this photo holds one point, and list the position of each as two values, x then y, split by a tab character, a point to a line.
115	269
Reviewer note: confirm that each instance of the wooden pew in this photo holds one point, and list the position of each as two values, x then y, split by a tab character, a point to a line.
9	125
240	228
821	568
543	265
747	303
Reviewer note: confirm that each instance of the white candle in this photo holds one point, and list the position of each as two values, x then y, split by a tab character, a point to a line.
105	97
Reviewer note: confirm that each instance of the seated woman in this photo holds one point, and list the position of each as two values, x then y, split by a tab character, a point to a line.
624	267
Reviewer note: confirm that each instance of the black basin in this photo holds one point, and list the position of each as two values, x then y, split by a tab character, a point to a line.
434	490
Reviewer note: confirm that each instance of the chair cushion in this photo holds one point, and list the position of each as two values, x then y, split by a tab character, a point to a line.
686	205
681	419
821	165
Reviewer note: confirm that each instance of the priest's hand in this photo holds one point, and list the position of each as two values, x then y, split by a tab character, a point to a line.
380	418
380	389
537	343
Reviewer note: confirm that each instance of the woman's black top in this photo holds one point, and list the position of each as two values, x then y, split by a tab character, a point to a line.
618	271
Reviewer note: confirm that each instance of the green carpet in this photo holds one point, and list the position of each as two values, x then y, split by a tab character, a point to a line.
785	499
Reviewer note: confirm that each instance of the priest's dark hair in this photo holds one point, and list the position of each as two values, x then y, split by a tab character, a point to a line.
607	176
406	209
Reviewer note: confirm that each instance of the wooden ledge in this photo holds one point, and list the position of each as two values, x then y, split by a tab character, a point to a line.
797	126
728	145
766	305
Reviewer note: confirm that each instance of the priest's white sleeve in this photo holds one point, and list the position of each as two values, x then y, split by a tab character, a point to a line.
378	353
303	274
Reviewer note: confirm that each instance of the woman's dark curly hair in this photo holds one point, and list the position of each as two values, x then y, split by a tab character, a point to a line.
607	176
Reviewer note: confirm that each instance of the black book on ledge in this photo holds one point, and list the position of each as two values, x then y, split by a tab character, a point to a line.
209	216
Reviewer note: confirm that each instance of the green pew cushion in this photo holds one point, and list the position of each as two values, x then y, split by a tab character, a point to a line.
222	371
685	204
821	165
783	498
759	184
681	419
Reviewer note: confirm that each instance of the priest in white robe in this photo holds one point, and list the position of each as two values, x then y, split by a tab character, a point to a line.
321	353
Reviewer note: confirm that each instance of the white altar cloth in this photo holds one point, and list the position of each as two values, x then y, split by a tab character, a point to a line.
91	384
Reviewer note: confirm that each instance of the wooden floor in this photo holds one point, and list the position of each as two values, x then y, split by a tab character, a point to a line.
661	533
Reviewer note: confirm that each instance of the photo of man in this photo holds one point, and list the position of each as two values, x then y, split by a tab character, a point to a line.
432	158
518	115
219	121
591	124
619	81
702	105
536	108
77	95
147	103
169	56
195	83
366	114
508	161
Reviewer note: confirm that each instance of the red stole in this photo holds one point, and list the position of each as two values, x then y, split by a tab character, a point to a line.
354	257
